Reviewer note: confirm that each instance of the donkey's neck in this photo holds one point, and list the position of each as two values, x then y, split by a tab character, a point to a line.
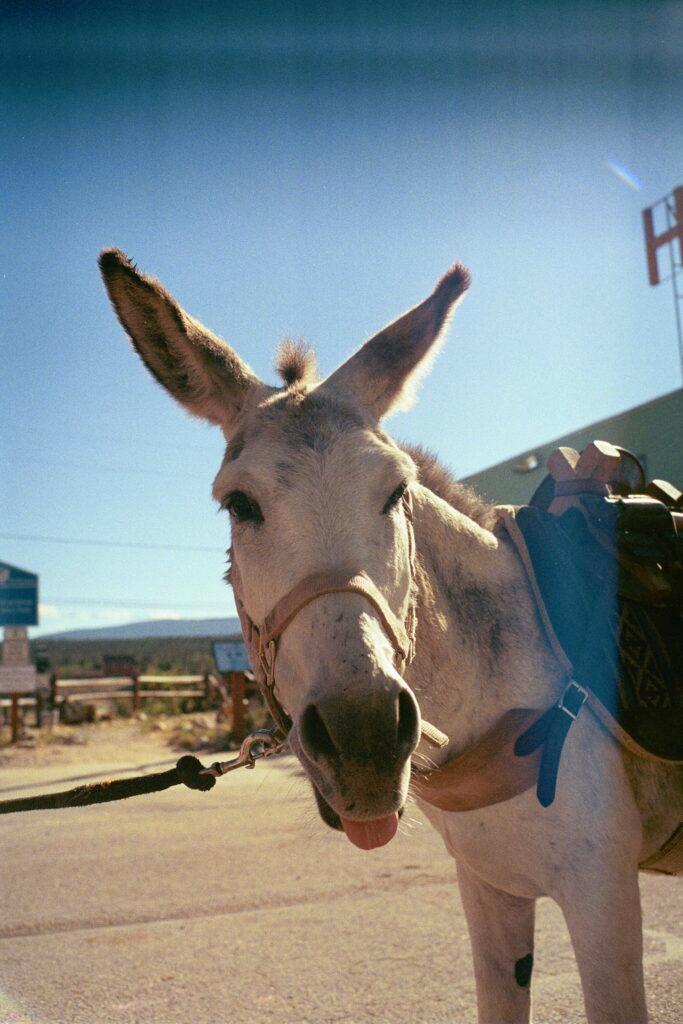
480	650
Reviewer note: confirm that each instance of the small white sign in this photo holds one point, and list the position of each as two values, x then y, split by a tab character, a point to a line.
15	646
18	678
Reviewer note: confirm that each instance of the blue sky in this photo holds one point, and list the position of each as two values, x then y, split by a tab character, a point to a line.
312	170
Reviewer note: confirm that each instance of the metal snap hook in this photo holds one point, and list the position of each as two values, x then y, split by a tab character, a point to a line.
258	744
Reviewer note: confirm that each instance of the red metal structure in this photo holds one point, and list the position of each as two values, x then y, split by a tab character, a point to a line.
668	212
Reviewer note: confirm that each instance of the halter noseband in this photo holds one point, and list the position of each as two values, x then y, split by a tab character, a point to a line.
262	640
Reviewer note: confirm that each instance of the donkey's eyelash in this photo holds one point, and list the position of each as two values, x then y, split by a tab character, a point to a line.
394	497
242	508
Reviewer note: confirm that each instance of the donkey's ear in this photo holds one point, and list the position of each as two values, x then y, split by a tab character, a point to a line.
196	367
383	373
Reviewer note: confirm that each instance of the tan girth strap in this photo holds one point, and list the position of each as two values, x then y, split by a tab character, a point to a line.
338	582
486	773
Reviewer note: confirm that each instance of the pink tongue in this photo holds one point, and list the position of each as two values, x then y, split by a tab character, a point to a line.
368	835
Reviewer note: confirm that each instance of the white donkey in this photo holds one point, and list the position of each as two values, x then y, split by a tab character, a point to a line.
313	485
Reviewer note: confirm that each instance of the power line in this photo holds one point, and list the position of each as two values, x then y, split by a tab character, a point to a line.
118	440
97	602
94	467
109	543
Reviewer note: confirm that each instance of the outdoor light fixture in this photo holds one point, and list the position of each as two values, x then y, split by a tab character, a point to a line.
528	464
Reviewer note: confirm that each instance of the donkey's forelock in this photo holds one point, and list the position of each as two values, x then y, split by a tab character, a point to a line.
296	363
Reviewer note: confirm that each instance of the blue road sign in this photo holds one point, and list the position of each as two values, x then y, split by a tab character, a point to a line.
231	657
18	596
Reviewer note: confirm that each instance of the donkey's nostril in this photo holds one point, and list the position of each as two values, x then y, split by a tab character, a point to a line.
315	734
408	722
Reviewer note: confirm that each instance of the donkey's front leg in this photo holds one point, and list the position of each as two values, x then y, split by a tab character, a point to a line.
602	911
501	930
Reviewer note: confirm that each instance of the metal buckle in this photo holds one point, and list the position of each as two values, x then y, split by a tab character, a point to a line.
577	695
266	653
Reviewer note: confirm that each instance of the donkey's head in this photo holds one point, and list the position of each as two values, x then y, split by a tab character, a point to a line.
314	486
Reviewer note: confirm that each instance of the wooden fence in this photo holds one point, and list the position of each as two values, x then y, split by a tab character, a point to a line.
135	687
229	691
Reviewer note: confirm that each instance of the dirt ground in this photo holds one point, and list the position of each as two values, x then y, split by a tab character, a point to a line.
240	905
118	741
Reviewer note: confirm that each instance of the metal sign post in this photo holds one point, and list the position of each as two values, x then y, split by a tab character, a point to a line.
18	609
232	662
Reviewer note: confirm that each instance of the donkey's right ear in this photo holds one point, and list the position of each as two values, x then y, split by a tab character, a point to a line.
197	368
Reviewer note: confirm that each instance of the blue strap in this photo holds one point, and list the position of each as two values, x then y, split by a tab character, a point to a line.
550	731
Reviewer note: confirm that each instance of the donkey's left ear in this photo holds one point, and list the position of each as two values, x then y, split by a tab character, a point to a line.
383	373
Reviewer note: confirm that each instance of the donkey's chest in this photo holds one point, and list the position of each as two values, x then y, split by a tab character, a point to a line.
528	850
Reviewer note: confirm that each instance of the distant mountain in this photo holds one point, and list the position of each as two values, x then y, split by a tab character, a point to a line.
155	629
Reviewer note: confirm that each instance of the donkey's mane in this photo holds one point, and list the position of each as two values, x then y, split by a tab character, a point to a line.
441	481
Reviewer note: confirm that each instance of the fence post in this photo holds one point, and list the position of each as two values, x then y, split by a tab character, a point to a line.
39	709
207	690
239	725
136	692
53	691
14	717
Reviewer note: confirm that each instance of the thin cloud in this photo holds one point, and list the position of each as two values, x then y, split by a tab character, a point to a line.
49	611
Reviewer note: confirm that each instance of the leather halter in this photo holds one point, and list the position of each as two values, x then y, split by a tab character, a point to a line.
262	640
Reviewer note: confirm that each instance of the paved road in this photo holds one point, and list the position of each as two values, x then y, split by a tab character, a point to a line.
239	906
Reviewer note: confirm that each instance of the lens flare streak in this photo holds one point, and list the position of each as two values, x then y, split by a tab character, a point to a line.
624	174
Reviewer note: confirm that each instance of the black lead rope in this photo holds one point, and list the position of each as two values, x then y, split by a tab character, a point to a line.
187	771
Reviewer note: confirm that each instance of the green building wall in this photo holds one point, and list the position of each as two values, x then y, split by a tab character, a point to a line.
652	431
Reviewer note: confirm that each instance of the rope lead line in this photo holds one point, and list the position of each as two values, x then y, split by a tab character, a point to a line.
187	771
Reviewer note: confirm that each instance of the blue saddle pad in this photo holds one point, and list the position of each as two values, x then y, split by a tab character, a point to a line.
611	577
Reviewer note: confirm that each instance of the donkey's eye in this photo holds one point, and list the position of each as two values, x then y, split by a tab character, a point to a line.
394	497
242	508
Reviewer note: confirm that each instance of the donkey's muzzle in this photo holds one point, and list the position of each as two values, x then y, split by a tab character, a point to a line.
378	728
